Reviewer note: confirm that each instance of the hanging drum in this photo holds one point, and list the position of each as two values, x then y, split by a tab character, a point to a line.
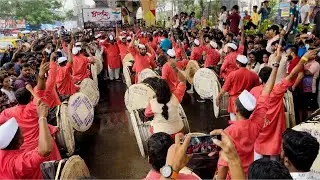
205	83
289	110
222	109
146	73
81	112
90	88
127	58
99	61
312	126
71	168
127	73
94	74
191	69
65	136
138	96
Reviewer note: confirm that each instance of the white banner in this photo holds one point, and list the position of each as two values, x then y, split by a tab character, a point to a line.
100	17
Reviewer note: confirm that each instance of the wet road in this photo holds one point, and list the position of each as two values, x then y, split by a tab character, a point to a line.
109	147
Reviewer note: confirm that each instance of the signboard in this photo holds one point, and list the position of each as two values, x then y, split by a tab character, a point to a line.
12	24
285	9
101	17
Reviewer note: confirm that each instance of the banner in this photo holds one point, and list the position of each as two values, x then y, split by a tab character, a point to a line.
101	17
12	24
285	9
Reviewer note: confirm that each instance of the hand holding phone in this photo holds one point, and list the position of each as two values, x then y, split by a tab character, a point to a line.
202	144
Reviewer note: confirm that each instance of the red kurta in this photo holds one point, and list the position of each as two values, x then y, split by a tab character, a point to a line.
212	57
245	132
123	48
170	75
64	81
182	64
112	54
236	82
196	53
229	62
80	69
269	140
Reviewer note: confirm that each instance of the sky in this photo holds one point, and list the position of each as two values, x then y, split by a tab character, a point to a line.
69	3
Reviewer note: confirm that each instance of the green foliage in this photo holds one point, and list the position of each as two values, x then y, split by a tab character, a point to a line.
34	12
70	15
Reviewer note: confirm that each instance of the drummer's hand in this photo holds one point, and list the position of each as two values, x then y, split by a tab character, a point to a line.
177	154
228	151
42	109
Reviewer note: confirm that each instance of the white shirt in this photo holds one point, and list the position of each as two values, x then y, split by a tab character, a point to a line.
222	19
10	94
270	41
303	12
302	175
282	71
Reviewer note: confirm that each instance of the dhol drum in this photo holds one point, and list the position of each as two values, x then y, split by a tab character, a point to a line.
90	88
127	73
206	83
138	96
191	69
146	73
312	126
81	111
94	73
99	61
127	58
71	168
289	110
65	136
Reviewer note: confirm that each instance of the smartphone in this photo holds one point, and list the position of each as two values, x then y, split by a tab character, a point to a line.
203	144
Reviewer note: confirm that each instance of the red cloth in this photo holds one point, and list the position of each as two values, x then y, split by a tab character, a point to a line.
177	49
152	175
64	81
170	75
270	138
292	64
212	57
236	82
234	23
18	164
80	69
196	53
141	62
245	132
182	64
51	97
123	48
143	40
229	62
112	54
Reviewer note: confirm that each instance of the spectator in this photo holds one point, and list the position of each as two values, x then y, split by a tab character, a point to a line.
264	10
7	89
255	17
222	17
305	12
246	17
268	169
253	65
273	34
25	77
234	19
293	21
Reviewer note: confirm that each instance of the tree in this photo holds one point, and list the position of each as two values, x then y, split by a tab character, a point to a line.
70	15
35	12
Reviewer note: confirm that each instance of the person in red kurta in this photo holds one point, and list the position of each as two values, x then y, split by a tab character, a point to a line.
169	71
250	115
212	56
123	47
236	82
196	53
229	62
141	59
80	65
65	85
24	164
112	62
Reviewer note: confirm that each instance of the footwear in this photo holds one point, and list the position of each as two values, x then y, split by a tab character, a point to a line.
190	91
201	100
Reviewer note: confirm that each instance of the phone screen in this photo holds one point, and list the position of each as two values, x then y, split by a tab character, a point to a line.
203	144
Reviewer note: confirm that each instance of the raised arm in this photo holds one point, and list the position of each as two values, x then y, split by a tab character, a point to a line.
45	138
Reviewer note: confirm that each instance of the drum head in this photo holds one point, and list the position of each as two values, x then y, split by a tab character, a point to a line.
146	73
289	109
140	142
191	69
312	127
81	112
205	82
186	128
127	58
90	88
65	136
138	96
99	61
127	75
94	73
216	109
75	168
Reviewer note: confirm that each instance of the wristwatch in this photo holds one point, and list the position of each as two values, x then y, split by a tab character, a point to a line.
168	172
275	64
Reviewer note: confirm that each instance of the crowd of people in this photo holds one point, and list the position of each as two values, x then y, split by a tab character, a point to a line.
254	70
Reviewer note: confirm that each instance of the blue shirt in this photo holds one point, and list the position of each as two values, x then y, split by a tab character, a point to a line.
302	51
165	45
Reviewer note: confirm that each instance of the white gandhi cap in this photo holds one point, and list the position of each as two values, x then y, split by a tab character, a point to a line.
232	45
7	132
62	59
78	44
247	100
243	59
75	50
196	42
171	53
213	44
111	37
128	38
141	46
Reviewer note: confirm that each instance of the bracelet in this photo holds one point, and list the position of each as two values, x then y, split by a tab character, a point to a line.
42	119
304	59
275	64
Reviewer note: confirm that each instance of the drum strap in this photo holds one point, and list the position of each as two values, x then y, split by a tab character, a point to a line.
58	170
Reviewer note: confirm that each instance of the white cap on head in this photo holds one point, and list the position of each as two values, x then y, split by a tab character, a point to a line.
97	36
196	42
232	46
141	46
171	53
128	38
243	59
78	44
111	37
62	59
247	100
213	44
76	50
7	132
